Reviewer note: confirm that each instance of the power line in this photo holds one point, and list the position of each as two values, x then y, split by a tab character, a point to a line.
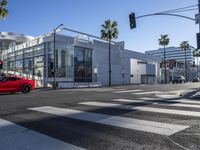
178	9
182	10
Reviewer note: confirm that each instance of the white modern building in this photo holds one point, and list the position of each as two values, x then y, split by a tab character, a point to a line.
10	39
79	61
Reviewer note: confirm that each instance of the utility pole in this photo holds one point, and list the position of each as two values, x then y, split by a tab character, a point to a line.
198	38
199	15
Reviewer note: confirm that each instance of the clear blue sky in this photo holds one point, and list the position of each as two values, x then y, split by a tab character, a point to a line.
35	17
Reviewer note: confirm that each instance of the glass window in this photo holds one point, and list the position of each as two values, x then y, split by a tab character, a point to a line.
63	58
82	65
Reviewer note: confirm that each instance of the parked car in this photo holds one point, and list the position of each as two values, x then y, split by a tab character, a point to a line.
16	84
179	79
196	80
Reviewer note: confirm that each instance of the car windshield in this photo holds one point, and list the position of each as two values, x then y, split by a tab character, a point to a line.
2	78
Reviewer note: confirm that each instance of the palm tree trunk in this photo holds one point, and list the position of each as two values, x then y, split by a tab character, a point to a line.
165	66
110	71
186	67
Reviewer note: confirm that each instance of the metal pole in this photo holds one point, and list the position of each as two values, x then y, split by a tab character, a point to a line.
199	14
110	71
54	52
165	66
54	49
197	67
186	75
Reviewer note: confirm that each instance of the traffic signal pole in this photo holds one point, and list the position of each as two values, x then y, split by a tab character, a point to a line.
199	14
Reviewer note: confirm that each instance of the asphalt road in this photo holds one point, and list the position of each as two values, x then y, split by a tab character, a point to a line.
122	117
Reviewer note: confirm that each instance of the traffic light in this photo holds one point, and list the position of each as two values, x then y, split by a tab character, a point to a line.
198	40
132	20
1	64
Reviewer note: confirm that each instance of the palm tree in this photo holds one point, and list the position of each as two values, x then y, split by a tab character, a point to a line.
196	53
164	41
185	46
3	11
109	31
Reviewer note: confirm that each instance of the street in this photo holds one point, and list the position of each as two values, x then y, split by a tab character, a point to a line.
121	117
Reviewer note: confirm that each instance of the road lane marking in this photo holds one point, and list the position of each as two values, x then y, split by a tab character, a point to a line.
128	91
174	103
17	137
143	108
117	121
144	93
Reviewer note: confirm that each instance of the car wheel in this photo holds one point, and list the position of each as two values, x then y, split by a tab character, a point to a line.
26	89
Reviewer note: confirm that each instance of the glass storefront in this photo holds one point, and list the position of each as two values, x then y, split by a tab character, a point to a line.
25	62
82	64
73	63
64	61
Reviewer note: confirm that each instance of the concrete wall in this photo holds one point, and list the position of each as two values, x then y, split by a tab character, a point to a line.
124	64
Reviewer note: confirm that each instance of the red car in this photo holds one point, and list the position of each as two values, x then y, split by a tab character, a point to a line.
16	84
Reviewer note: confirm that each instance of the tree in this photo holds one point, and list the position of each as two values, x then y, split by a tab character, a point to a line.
164	41
196	53
185	46
3	11
109	31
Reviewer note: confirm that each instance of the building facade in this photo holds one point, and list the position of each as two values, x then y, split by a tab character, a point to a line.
10	39
173	53
175	62
78	61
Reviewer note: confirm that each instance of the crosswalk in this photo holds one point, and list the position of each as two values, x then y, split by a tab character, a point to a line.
95	115
159	94
135	124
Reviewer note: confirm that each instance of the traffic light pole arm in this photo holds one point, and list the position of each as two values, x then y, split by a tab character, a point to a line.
166	14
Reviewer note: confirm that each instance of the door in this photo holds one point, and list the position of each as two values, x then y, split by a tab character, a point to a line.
8	85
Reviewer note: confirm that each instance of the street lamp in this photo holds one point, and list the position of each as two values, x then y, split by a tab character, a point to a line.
54	49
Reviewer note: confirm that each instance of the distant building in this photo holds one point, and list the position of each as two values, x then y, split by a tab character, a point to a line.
175	61
173	53
10	39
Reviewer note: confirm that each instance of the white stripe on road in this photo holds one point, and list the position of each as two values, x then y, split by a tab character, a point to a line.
180	101
144	93
123	122
188	101
15	137
167	96
128	91
175	103
143	108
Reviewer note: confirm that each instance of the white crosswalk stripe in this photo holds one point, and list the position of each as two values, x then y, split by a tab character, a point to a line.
175	103
144	108
123	122
159	94
128	91
15	137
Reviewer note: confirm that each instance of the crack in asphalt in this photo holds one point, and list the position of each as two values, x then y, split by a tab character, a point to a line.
184	148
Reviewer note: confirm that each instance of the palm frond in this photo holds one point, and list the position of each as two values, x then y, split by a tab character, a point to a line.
184	45
3	3
164	40
109	30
